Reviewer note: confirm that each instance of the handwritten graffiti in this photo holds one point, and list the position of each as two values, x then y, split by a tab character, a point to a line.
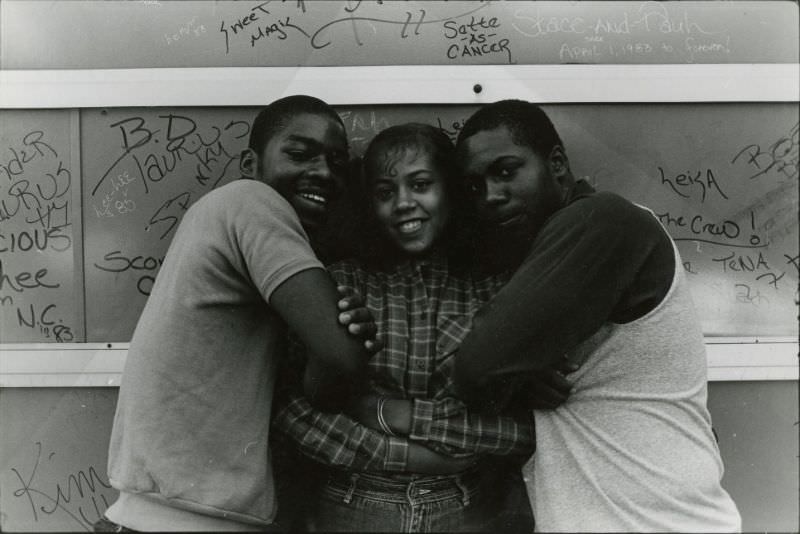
362	127
771	278
42	319
476	38
736	262
410	25
780	158
35	212
683	183
117	262
696	48
651	17
33	147
155	150
742	262
538	25
36	239
656	17
78	497
652	29
717	232
465	35
793	260
747	295
688	267
259	24
163	215
25	279
191	28
37	181
116	201
45	319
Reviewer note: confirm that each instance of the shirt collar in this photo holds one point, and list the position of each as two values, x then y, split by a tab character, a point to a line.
580	189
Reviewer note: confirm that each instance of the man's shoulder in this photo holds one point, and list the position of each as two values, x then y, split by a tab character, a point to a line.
603	200
610	209
608	217
244	191
244	197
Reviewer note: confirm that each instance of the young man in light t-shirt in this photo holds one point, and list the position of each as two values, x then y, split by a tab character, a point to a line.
189	447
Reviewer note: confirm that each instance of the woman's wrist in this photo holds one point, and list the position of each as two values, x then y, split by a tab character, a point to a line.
397	415
379	414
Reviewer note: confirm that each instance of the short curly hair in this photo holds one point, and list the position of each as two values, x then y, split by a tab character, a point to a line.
276	115
528	123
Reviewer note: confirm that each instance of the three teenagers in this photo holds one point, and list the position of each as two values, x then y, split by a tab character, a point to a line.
190	443
568	272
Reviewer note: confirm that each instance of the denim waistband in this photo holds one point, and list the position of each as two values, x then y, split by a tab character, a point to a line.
419	489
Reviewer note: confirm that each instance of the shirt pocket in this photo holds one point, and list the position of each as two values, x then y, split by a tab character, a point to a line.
450	332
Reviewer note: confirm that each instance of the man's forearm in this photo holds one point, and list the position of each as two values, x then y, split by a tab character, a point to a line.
566	288
447	427
424	460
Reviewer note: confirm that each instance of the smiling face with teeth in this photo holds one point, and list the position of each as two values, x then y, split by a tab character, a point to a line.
305	162
410	202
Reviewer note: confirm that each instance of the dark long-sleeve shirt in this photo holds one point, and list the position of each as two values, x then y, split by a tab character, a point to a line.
598	259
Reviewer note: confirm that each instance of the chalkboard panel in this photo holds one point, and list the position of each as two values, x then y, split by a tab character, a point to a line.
142	170
37	179
226	33
62	459
723	178
53	453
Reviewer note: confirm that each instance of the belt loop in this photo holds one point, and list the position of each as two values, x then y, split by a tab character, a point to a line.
410	493
353	482
464	491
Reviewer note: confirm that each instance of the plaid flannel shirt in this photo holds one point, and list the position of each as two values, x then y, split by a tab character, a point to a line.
423	312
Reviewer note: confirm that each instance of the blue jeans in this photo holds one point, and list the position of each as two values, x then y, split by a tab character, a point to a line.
360	502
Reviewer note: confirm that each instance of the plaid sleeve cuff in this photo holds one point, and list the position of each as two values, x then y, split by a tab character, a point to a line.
421	420
396	454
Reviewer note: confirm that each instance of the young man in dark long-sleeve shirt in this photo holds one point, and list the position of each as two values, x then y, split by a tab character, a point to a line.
598	280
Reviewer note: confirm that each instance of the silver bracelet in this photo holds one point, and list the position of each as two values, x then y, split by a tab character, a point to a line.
381	420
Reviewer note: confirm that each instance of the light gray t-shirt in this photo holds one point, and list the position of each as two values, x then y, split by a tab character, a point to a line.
192	424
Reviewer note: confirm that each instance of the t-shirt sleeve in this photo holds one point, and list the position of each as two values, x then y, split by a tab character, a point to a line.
270	238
